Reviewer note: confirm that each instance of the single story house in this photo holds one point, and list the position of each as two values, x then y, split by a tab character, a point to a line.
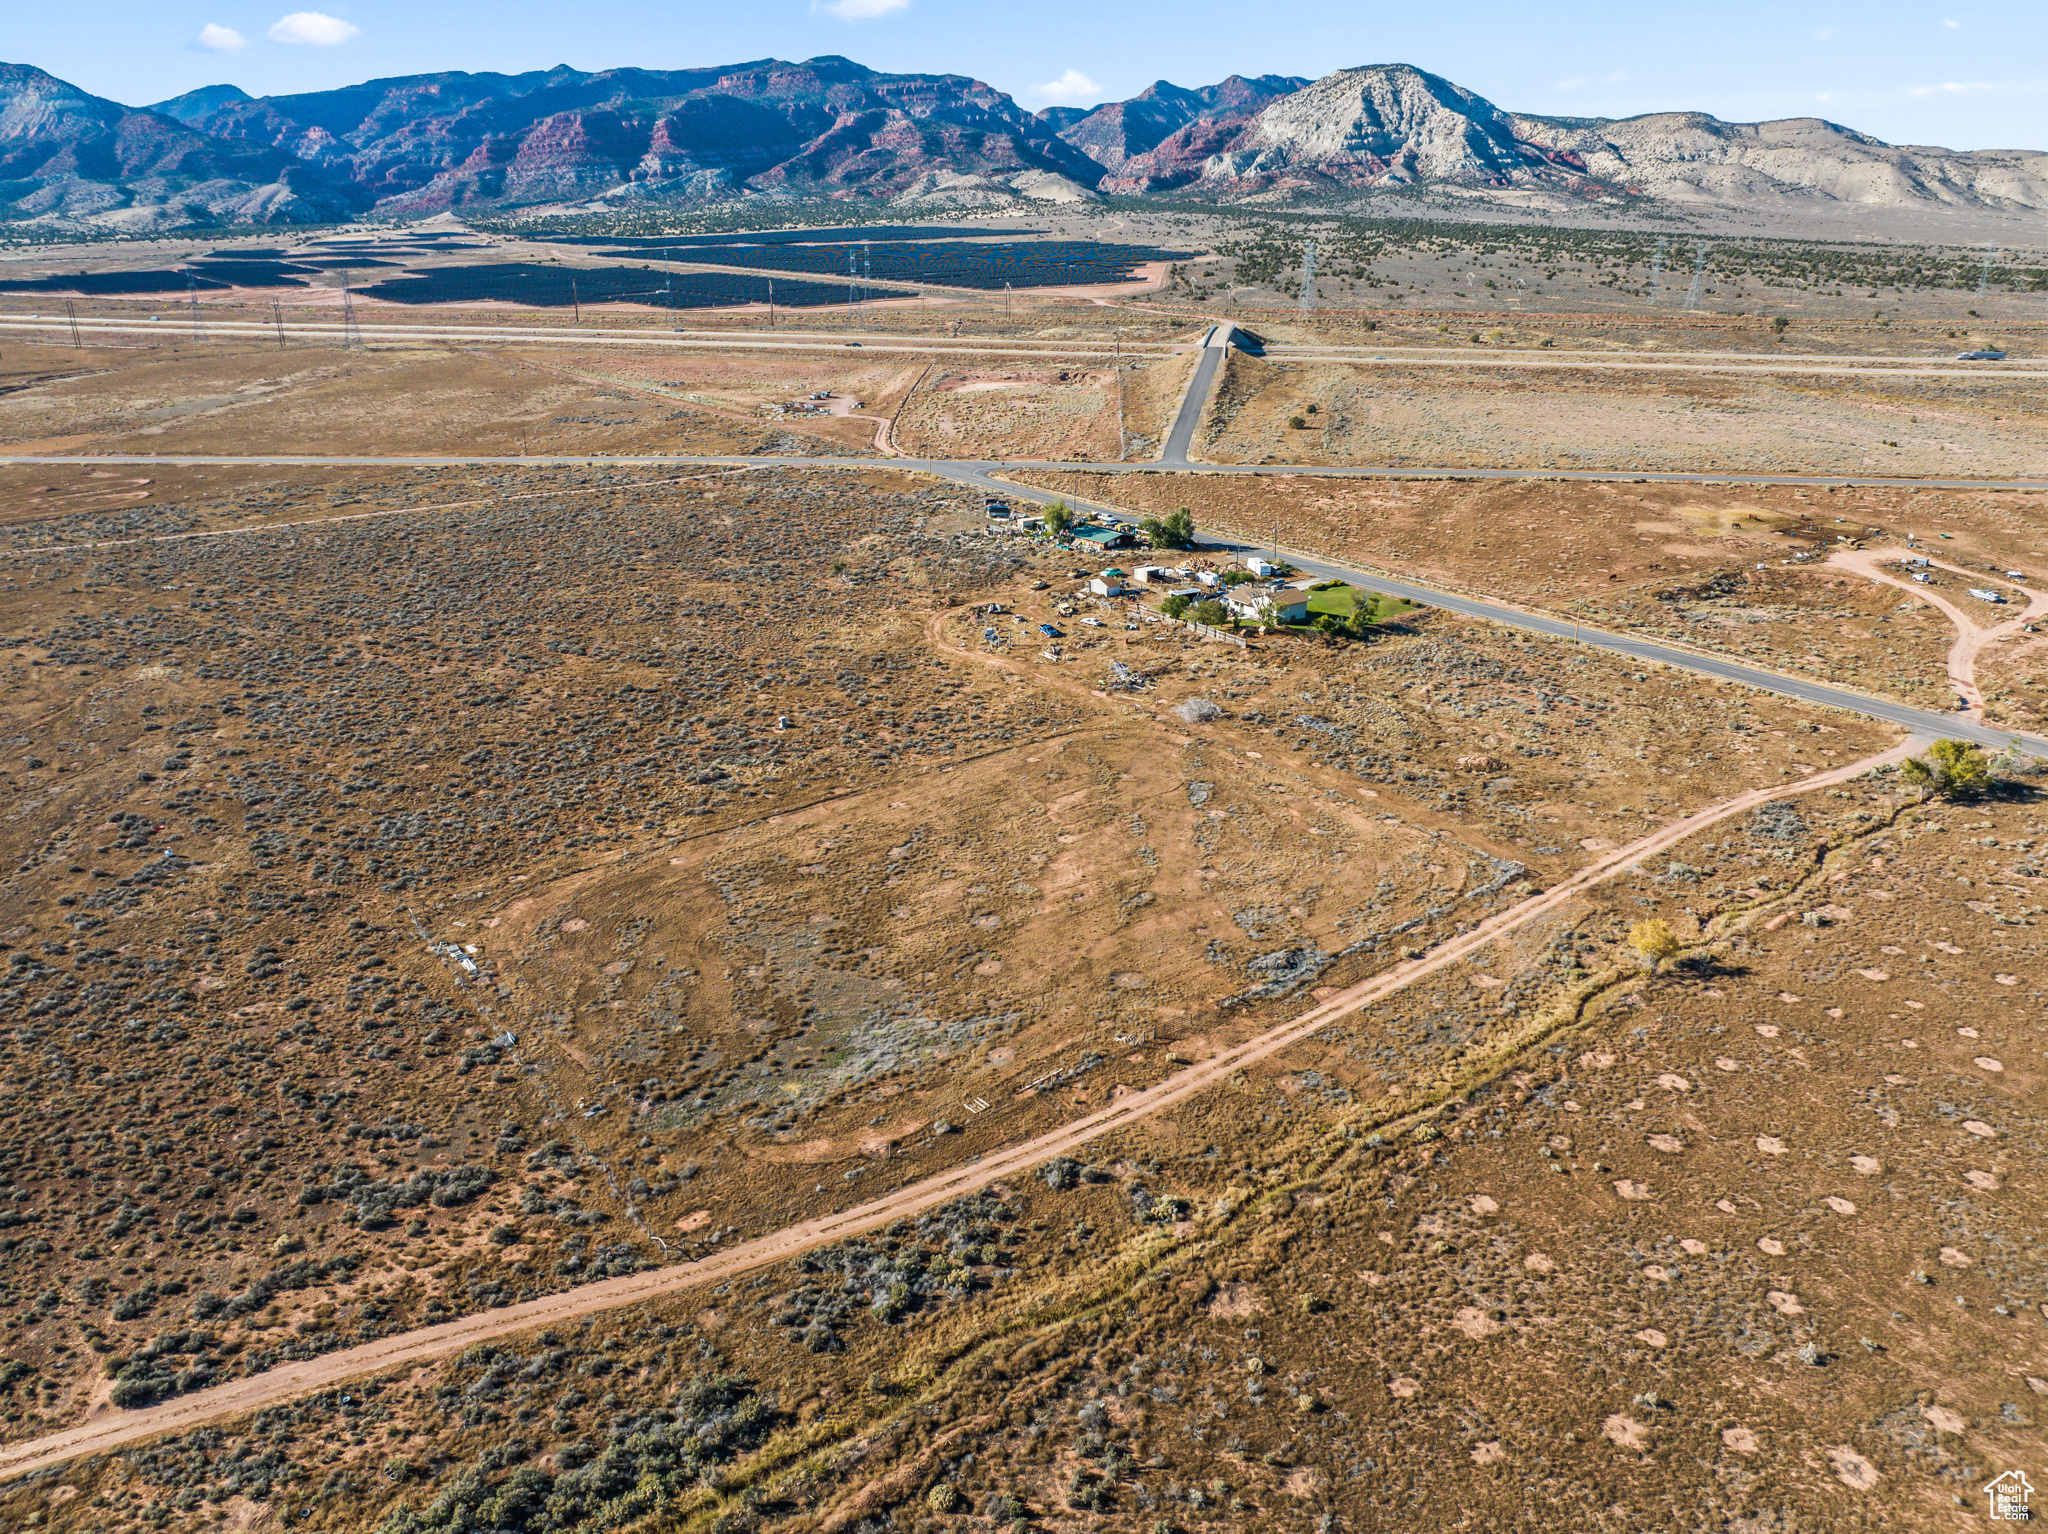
1250	602
1108	584
1104	537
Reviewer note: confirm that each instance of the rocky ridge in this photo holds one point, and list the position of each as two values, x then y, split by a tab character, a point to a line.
829	127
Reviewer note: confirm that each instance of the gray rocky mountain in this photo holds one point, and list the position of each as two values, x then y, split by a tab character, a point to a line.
1390	125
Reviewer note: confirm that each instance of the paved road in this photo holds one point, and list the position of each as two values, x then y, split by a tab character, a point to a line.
304	336
1215	347
1896	367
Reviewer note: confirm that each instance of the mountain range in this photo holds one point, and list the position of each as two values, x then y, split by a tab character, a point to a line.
828	127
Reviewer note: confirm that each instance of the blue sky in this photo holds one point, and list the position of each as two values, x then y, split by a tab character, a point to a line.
1968	75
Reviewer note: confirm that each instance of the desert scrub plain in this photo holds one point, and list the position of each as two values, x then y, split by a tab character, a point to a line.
1574	418
760	906
237	397
1768	1208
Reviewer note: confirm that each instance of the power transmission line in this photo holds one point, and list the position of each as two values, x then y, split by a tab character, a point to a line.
192	303
1699	278
277	319
1984	276
1657	269
351	332
71	313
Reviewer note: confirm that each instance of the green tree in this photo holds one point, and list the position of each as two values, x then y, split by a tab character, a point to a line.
1362	604
1058	518
1951	769
1175	605
1176	530
1653	940
1211	612
1779	324
1329	625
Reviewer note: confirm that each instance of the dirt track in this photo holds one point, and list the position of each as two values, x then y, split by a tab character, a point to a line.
1971	637
427	1344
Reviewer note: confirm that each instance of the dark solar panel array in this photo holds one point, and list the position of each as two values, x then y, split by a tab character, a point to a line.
955	263
259	274
96	284
841	236
557	287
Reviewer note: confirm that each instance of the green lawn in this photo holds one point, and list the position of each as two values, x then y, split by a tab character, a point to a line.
1341	600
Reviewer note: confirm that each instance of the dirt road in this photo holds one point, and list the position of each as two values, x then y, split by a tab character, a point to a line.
240	1397
1971	636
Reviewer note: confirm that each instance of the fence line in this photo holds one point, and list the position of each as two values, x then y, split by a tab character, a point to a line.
1205	632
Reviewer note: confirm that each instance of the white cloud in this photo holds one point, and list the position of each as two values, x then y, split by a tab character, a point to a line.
315	27
1070	89
858	10
1823	96
1950	22
218	39
1617	77
1572	84
1955	88
1825	33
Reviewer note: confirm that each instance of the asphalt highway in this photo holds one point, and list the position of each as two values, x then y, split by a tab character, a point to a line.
1215	347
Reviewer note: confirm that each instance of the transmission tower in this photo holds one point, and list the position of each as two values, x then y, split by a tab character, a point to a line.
852	286
1984	276
192	303
1657	269
1308	275
71	314
1699	278
277	319
351	332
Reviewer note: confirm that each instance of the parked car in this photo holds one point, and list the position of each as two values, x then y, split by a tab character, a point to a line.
1050	632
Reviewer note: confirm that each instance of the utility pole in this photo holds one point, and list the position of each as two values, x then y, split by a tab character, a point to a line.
71	313
277	319
351	333
575	300
1122	444
192	303
771	303
1006	298
851	289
